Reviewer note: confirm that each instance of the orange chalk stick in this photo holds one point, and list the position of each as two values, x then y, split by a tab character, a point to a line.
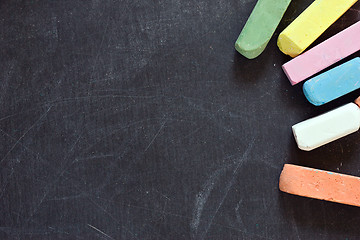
319	184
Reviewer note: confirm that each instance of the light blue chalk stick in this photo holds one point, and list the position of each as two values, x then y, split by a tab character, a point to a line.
333	83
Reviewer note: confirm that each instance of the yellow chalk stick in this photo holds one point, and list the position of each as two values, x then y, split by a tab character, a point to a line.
311	23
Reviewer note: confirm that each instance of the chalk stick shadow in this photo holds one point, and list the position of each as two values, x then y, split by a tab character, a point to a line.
331	157
319	218
248	71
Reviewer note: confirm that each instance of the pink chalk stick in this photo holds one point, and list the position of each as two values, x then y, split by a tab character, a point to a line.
324	55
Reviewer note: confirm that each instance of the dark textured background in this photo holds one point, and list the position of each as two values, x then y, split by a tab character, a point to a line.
136	119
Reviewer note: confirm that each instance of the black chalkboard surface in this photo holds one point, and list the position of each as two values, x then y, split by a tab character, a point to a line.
126	119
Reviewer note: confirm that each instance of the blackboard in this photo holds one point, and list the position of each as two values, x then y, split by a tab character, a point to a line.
127	119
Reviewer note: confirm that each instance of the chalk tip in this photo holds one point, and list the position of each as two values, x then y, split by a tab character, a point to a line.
288	75
248	52
287	46
301	145
246	46
310	95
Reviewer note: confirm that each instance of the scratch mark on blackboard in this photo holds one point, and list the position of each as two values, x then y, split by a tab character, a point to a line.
6	182
180	216
96	60
294	225
95	157
231	182
193	132
112	217
81	195
164	196
205	193
98	230
5	79
202	198
238	216
158	211
96	98
157	134
22	136
56	230
15	114
296	230
48	187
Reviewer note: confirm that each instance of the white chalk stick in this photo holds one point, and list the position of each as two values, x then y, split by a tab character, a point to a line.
320	130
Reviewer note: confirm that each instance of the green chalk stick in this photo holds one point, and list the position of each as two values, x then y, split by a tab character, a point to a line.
260	27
